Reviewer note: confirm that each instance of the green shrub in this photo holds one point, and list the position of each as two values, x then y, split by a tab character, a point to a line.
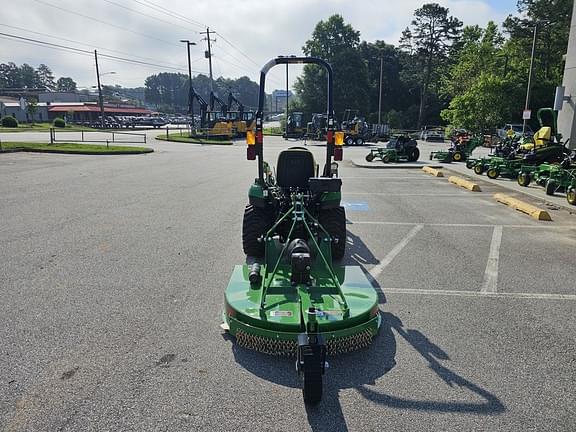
9	122
59	122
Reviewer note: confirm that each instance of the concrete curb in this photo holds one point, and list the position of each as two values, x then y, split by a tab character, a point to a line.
524	191
391	165
92	153
433	171
466	184
524	207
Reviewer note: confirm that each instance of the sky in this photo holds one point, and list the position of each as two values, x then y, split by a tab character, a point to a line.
248	33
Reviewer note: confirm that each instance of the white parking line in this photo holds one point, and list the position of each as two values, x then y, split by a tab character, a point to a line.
538	296
379	268
463	225
462	194
490	282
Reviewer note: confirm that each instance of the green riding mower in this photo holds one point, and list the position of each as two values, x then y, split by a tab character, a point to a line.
460	150
552	177
293	297
400	148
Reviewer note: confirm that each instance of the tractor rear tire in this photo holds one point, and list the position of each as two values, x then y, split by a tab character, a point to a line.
369	157
349	141
359	141
524	179
478	169
457	156
256	223
413	154
571	196
334	222
550	187
493	173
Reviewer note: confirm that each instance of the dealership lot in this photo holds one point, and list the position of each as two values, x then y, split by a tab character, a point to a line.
112	277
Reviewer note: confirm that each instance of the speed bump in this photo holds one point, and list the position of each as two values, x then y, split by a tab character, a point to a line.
474	187
433	171
524	207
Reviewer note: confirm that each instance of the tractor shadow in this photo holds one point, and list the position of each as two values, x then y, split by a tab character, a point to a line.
362	369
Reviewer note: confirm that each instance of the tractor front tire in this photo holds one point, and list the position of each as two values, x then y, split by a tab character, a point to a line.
385	158
524	179
478	169
359	141
470	164
256	223
349	141
550	187
369	157
413	155
334	222
571	196
493	173
457	156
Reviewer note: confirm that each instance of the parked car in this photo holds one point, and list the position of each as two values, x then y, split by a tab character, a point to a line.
512	128
432	133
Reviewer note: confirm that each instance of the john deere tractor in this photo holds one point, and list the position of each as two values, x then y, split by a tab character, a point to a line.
292	297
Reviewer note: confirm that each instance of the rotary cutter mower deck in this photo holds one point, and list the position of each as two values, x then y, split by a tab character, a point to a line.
296	300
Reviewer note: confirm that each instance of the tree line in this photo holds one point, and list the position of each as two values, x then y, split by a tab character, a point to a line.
13	76
441	71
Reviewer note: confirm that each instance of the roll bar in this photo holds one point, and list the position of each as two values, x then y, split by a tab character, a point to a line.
259	138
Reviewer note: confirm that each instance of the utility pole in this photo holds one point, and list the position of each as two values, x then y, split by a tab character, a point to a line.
208	55
286	118
527	104
100	97
190	100
380	94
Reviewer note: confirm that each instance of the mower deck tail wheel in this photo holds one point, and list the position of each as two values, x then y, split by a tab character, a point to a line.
571	196
493	173
256	223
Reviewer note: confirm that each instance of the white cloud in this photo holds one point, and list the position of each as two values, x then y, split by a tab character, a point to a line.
262	29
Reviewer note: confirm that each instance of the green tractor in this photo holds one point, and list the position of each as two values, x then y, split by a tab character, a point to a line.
460	150
293	297
400	148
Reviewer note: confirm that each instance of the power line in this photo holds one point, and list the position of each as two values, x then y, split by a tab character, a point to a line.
168	12
104	22
86	52
237	49
147	15
83	43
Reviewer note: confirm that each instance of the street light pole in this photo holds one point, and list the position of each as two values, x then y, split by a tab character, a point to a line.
380	94
100	97
190	101
527	104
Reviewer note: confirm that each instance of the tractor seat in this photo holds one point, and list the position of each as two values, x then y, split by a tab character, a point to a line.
295	166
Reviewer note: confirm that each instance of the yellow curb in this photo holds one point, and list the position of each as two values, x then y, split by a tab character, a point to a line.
524	207
474	187
435	172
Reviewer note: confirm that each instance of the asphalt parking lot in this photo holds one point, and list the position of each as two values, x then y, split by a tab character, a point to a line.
112	277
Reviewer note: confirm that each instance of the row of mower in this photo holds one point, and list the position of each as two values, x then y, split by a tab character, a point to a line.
546	161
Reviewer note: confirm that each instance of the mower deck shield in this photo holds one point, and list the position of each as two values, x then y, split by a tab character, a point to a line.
283	317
